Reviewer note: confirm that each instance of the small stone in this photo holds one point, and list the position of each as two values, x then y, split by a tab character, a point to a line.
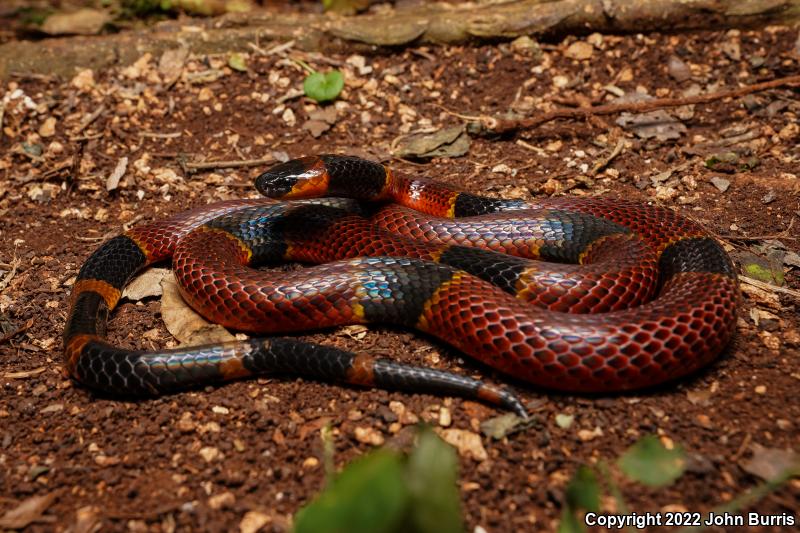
466	442
84	80
220	410
354	415
720	183
678	69
590	434
666	194
185	424
367	435
789	132
625	75
559	82
48	127
445	419
526	45
704	421
210	454
224	500
106	460
288	117
579	50
52	408
310	463
760	389
253	521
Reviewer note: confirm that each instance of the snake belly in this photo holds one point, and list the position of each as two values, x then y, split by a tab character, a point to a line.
574	294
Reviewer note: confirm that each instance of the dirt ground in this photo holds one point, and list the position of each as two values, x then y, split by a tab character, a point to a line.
214	459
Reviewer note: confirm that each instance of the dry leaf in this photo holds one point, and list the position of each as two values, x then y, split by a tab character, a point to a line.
146	285
184	323
447	142
113	180
770	463
27	512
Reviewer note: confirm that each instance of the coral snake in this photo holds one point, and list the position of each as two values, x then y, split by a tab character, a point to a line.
577	294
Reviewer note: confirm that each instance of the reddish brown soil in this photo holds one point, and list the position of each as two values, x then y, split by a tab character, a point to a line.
201	460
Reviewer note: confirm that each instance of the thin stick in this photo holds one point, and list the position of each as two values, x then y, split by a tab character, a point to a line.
89	119
157	135
603	163
228	164
769	287
499	125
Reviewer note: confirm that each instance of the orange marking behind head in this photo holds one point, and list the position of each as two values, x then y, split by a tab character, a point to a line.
312	183
108	292
361	372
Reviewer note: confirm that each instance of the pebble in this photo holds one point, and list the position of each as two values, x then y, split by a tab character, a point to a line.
559	82
223	500
704	421
253	521
590	434
445	418
466	442
311	463
48	127
579	50
53	408
210	454
220	410
760	389
720	183
367	435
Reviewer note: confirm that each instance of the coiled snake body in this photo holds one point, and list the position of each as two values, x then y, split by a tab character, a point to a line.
575	294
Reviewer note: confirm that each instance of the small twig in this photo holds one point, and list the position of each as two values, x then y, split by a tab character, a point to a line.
228	164
277	49
532	148
291	94
769	287
602	163
11	273
157	135
88	120
499	125
129	224
742	448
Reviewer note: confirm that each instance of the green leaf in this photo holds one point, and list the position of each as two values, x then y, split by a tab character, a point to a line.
237	62
323	87
649	462
432	475
583	491
369	496
569	522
